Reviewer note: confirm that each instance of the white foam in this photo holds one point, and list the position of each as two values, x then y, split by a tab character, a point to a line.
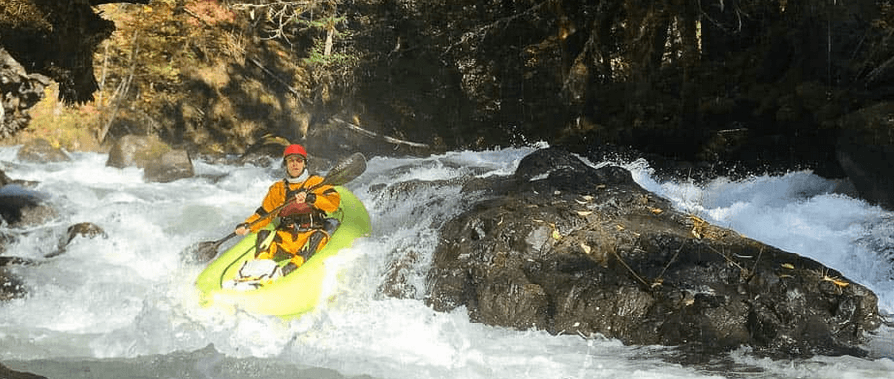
131	295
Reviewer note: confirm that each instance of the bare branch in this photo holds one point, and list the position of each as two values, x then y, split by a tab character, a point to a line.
374	135
501	23
101	2
279	13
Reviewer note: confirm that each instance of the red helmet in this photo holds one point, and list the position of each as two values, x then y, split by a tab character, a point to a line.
294	149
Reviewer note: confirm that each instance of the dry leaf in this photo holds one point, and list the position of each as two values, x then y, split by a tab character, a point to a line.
586	248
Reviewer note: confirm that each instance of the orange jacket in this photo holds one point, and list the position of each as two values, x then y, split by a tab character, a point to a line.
327	199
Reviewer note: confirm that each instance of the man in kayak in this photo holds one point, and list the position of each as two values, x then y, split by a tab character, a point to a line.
303	227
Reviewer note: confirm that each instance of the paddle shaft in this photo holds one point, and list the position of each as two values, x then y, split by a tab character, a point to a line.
272	213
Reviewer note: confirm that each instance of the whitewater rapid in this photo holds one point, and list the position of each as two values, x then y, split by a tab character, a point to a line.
125	305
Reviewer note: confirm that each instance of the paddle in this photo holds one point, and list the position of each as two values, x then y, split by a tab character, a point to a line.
345	171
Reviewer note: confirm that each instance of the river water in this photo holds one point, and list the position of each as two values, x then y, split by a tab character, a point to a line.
125	306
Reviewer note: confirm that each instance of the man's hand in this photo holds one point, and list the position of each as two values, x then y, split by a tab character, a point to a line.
242	229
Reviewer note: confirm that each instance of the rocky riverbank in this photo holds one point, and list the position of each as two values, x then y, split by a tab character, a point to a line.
571	249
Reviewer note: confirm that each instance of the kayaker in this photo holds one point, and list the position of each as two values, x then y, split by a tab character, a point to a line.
303	228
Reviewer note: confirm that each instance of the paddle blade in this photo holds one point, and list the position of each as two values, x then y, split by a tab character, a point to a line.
204	251
346	170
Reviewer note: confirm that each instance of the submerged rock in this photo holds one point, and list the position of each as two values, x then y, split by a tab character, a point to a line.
11	286
571	249
21	206
7	373
81	229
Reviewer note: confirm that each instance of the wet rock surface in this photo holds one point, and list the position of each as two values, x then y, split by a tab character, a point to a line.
865	149
571	249
161	162
7	373
22	209
21	206
170	166
40	150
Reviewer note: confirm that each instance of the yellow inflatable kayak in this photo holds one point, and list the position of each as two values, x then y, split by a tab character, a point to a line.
292	295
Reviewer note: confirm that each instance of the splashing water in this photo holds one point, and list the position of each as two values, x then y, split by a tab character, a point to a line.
125	306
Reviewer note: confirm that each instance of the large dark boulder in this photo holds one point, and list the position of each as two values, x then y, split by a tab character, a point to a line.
20	206
865	151
567	248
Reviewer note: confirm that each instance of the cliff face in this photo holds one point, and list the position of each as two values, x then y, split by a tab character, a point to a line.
42	39
57	39
750	84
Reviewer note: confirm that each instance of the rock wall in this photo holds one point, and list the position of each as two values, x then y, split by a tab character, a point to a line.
57	39
19	91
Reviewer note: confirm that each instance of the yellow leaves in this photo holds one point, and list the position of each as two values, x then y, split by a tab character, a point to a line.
586	248
698	226
787	266
585	199
656	211
823	275
555	234
555	231
839	282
